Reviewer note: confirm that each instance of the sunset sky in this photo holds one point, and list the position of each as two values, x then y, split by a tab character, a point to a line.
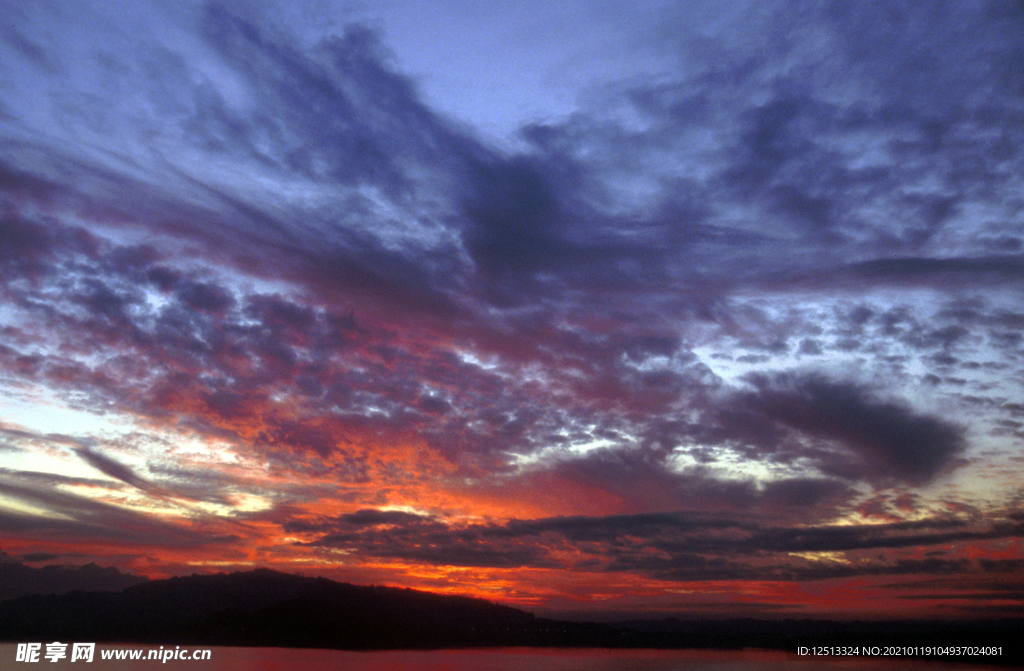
696	308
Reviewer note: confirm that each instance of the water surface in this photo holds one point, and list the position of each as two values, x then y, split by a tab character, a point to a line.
489	659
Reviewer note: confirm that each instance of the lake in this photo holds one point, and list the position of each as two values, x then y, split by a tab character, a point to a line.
504	659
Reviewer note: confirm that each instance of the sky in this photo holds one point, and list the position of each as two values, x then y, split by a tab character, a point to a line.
589	308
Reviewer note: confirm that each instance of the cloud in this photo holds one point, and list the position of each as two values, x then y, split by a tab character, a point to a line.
110	467
779	122
891	440
673	546
374	517
980	271
38	557
81	519
464	234
649	480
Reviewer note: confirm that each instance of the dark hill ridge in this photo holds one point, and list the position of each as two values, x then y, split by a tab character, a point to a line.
264	607
267	608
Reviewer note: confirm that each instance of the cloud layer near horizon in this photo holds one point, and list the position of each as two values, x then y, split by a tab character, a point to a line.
261	302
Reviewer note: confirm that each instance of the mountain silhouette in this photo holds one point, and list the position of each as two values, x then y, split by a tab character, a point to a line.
17	579
264	607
